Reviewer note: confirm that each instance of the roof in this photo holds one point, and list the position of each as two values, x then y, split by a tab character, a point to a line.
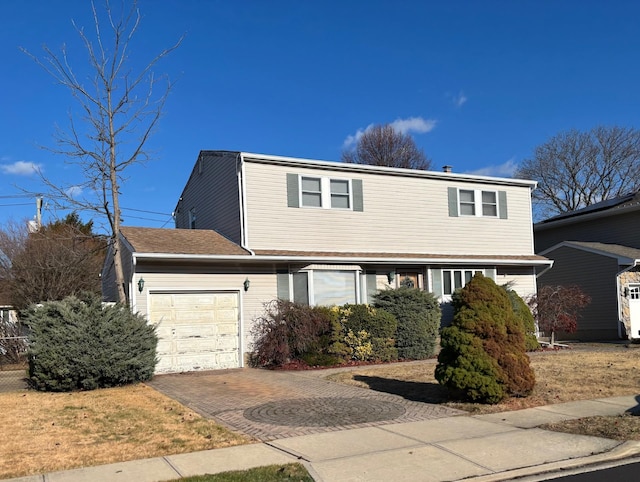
180	241
391	171
201	244
624	254
606	207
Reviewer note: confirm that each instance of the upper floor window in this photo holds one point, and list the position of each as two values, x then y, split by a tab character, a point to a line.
192	218
324	192
477	202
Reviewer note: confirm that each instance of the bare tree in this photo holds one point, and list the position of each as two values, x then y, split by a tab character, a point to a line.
382	145
120	108
576	169
61	259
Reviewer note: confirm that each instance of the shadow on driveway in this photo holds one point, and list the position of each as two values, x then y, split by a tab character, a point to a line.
414	391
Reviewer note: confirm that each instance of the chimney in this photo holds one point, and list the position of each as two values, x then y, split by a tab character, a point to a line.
447	168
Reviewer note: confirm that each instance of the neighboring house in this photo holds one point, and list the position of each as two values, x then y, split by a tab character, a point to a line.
253	228
598	249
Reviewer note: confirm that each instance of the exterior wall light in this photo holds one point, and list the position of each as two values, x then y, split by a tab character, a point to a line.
246	284
391	275
141	285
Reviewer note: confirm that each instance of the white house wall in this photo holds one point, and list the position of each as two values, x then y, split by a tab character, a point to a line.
401	214
262	289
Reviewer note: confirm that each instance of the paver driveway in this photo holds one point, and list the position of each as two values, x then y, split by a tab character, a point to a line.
270	405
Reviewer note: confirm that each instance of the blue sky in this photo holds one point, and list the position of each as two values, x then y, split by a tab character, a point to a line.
477	84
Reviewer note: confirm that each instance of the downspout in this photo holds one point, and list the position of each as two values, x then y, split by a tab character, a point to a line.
620	322
242	193
132	291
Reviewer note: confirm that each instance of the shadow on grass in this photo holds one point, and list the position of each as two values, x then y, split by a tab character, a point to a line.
414	391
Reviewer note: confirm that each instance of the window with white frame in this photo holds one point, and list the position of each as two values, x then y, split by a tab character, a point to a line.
453	279
475	202
324	192
324	287
311	191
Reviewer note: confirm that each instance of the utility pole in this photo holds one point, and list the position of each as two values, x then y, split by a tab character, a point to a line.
38	213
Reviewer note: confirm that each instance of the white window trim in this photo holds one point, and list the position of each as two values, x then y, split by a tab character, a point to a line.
447	297
325	192
311	290
478	204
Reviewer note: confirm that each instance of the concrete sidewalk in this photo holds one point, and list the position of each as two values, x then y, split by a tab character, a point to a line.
491	447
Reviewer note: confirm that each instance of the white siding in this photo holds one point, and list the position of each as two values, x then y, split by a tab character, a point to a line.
521	280
401	214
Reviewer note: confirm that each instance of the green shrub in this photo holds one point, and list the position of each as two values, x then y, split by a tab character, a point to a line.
379	325
77	344
418	315
288	331
526	319
482	353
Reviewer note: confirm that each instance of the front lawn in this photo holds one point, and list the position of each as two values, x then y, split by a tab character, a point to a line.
45	432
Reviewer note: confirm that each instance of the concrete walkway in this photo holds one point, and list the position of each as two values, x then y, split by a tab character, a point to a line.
483	448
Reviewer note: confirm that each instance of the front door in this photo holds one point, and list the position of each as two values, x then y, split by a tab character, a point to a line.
634	309
408	278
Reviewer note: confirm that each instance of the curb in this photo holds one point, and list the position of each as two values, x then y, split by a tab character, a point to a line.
623	451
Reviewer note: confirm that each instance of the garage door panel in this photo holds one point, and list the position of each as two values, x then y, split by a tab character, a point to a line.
197	331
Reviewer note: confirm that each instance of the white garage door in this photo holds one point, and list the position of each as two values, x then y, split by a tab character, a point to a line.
196	331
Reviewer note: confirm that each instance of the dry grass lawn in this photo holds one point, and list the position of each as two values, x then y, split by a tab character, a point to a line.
588	372
44	432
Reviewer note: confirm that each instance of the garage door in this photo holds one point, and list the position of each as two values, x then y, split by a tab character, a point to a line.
196	331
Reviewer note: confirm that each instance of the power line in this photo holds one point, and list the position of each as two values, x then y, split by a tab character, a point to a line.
143	211
17	204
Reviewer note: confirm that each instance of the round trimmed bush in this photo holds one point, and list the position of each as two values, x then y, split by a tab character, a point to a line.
79	344
418	314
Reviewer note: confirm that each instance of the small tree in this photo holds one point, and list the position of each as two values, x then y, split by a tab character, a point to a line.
557	307
483	355
382	145
527	321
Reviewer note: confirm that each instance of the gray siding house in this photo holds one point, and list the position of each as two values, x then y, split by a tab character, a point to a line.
598	249
252	228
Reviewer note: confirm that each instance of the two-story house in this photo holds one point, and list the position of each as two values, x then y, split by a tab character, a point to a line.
253	228
598	249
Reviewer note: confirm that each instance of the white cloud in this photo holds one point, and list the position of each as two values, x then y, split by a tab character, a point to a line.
459	99
21	168
405	126
506	169
74	191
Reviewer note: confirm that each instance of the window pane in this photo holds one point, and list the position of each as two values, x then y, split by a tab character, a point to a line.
311	184
467	209
312	199
339	201
334	287
489	210
466	196
301	288
488	197
467	276
446	282
339	187
457	278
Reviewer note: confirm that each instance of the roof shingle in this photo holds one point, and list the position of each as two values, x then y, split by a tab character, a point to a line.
180	241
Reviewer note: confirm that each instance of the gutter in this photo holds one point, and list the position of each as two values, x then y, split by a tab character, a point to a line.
338	259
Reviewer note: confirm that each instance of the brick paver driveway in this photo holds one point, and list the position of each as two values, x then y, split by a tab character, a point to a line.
269	405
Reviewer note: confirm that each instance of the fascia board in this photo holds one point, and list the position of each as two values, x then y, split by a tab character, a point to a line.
614	211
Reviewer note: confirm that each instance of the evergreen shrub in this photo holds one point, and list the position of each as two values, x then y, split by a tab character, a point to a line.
482	356
379	328
77	344
418	315
527	321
